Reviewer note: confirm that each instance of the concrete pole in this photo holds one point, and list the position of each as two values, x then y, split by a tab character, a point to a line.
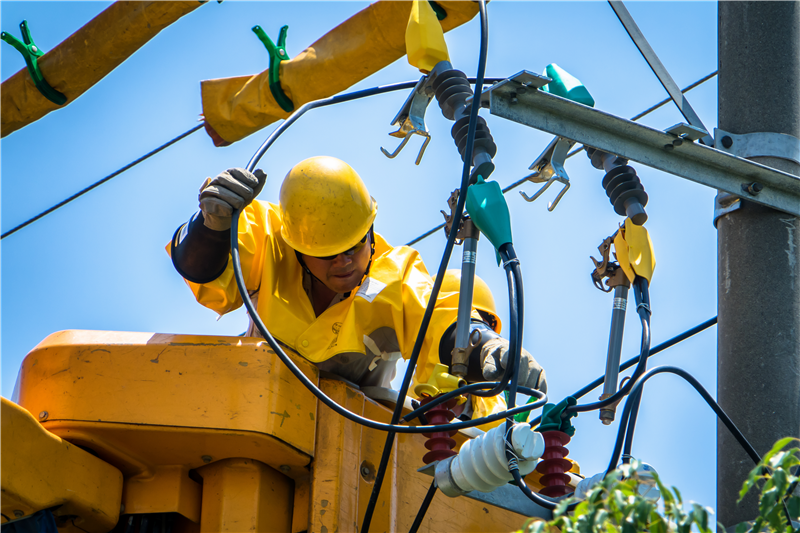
758	353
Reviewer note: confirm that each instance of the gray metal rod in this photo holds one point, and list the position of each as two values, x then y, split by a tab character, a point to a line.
465	294
614	348
758	336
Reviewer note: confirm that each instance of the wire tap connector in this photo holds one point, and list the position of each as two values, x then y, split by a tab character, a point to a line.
31	53
549	167
411	119
277	54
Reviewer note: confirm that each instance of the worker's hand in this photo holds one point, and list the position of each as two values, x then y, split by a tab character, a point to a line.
231	190
494	354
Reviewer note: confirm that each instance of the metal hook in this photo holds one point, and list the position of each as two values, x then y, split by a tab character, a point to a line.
411	119
549	168
405	141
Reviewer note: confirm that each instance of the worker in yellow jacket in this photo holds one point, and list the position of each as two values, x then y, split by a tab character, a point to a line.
324	283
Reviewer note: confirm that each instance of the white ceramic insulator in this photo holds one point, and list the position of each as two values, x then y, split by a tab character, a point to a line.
481	463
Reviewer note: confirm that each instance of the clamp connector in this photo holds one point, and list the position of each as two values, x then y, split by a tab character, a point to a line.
410	120
548	168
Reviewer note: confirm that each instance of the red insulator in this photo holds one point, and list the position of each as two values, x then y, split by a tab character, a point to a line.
553	466
439	443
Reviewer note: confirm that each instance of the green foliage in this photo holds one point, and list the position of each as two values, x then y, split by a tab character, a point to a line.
615	505
773	476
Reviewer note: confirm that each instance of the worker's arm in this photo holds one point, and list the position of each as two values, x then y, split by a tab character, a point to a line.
200	249
488	357
200	254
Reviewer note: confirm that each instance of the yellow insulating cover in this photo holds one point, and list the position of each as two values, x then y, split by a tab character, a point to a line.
634	251
41	471
359	47
425	45
86	57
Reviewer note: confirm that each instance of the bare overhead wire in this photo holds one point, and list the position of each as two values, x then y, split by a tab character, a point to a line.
102	181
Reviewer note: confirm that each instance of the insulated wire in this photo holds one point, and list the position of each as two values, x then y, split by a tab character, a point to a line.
523	180
424	507
635	394
462	197
102	181
341	98
276	347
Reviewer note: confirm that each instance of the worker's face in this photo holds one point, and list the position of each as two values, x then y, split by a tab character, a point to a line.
343	273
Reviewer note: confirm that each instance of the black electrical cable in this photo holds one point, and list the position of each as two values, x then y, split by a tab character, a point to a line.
635	394
643	309
102	181
511	266
661	347
424	507
474	389
462	197
263	330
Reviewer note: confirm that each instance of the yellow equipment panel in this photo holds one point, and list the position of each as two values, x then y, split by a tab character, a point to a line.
41	471
217	430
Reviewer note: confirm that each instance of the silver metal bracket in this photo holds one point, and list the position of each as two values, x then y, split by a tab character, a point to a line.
549	167
702	164
761	144
411	119
506	497
520	82
725	203
687	131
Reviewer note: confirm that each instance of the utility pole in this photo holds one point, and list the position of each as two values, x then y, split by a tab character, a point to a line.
758	350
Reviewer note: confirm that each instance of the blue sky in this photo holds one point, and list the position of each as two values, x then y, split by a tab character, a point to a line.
99	263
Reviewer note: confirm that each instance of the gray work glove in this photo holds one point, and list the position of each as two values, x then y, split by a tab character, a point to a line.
494	354
231	190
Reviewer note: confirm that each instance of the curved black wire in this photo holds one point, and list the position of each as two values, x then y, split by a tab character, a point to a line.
634	397
424	507
462	198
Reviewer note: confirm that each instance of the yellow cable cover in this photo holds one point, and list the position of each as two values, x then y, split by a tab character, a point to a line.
86	57
362	45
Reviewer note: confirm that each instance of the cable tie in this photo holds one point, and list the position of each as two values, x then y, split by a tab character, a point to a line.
510	262
644	306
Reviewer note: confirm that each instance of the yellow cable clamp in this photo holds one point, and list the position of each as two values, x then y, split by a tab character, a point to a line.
425	43
440	382
634	251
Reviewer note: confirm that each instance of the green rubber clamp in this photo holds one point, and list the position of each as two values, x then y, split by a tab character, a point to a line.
554	418
566	86
276	55
32	53
487	207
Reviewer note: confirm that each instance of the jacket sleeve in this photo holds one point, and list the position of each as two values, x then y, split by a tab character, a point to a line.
222	294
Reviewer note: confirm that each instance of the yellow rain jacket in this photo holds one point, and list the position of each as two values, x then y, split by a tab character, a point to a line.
387	307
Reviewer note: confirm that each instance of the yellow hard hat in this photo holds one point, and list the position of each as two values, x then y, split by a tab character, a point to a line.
482	298
325	207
